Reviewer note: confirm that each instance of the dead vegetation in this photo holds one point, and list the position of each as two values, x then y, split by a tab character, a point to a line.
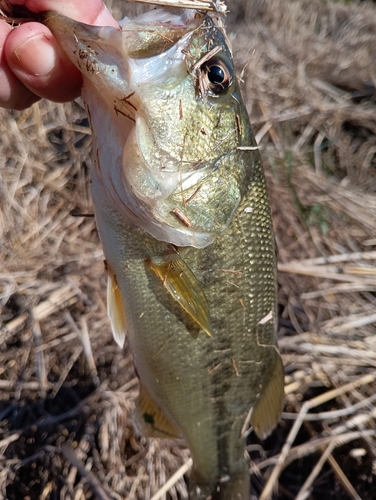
67	391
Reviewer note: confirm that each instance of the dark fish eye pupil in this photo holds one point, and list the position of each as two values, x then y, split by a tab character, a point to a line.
216	74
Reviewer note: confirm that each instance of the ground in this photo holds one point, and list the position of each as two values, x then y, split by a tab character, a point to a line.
67	391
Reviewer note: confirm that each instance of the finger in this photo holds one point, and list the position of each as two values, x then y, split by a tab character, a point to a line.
37	60
13	93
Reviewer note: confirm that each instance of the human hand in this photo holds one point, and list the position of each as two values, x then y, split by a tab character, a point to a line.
32	64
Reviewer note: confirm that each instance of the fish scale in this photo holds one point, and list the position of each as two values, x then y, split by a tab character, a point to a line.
185	225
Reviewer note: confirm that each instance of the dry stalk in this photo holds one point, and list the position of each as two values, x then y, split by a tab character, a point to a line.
314	445
173	480
344	412
4	443
307	406
211	5
41	365
61	297
304	492
93	482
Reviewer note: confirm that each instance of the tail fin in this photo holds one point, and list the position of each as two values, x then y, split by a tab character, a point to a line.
227	488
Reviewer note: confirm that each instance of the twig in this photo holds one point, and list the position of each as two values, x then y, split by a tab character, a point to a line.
304	490
343	478
272	130
341	288
359	421
317	153
304	137
264	130
41	366
312	446
337	469
354	323
83	335
184	4
334	259
4	443
25	386
67	368
63	296
173	480
135	458
336	350
325	415
86	344
129	385
248	148
135	483
329	273
308	405
93	482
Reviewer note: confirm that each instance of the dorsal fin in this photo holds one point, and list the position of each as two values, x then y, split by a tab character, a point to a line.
182	285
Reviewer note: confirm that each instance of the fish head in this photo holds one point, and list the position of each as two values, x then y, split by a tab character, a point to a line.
167	118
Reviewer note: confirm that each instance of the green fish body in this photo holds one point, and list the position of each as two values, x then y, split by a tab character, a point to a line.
184	219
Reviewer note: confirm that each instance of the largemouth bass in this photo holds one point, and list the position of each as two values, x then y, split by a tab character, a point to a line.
184	219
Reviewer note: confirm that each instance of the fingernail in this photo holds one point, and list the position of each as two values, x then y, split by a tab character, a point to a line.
36	56
105	19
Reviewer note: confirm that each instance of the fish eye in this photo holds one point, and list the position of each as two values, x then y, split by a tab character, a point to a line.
217	75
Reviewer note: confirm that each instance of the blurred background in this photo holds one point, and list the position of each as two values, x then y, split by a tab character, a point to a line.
67	392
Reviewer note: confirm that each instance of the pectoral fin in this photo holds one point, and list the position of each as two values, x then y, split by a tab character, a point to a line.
151	418
182	285
267	413
115	309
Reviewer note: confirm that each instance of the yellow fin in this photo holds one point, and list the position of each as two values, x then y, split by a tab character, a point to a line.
183	286
115	309
151	418
267	412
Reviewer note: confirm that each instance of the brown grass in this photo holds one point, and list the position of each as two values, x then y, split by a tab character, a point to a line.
67	391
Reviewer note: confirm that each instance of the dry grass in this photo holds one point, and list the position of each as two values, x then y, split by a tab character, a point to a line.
67	392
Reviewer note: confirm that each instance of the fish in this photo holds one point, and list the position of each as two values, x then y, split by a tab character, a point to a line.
184	219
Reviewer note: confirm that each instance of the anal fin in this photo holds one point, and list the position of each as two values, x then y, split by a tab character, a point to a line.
115	309
182	285
267	412
152	420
